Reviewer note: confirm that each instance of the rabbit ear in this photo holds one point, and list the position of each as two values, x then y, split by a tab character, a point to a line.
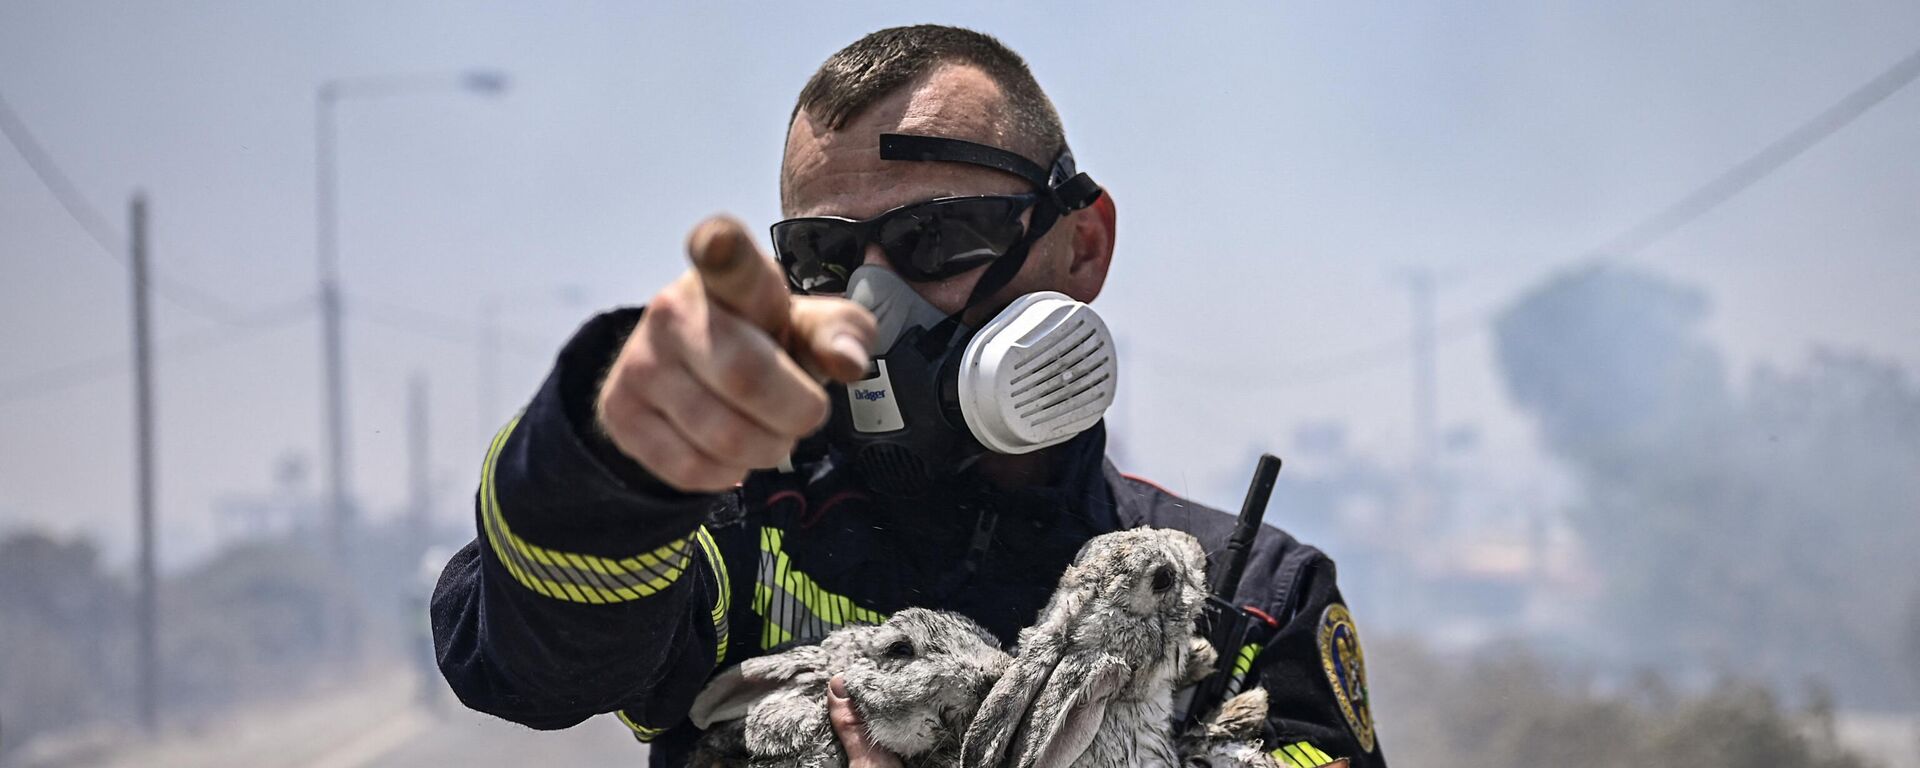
1004	710
788	664
1070	711
730	694
727	696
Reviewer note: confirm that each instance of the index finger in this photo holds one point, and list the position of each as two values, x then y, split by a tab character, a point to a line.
737	275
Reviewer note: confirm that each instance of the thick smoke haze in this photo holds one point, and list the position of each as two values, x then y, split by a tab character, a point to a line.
1764	524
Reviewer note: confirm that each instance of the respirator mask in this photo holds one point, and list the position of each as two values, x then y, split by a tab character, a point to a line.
940	393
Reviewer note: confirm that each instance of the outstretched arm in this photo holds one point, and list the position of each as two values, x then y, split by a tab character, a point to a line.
592	586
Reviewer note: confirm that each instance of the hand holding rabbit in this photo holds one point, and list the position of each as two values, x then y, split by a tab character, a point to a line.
914	681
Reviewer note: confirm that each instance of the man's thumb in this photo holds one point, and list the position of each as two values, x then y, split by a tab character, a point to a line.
737	275
861	753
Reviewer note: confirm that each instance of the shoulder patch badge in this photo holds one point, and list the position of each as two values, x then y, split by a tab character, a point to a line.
1346	668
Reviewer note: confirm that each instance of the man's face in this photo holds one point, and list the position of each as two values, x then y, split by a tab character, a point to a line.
840	173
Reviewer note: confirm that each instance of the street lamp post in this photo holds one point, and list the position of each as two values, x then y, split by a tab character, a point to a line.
333	357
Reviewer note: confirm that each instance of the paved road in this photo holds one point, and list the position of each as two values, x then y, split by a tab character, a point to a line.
373	723
370	723
464	738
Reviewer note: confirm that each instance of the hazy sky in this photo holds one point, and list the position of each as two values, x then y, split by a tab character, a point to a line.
1278	168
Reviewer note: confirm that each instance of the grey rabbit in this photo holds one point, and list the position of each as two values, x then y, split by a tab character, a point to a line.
1092	683
915	680
1230	736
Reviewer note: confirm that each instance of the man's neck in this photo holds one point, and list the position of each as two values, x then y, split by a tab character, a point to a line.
1042	468
1015	471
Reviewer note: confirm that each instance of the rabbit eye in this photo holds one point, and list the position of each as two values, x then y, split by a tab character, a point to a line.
900	649
1162	578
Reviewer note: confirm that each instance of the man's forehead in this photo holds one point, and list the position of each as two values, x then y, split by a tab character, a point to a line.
839	172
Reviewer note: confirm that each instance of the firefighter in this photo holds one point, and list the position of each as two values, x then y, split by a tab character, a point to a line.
902	406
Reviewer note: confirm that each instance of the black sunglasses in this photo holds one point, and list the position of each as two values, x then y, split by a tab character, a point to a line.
940	238
929	240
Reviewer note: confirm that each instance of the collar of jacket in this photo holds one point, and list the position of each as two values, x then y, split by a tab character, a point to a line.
1079	485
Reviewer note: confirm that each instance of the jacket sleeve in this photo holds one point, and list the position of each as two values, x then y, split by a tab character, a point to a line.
1314	671
591	587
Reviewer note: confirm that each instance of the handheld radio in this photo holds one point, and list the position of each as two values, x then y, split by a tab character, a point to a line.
1227	625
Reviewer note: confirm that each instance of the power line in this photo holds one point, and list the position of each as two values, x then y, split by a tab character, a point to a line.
1637	238
74	374
1770	158
191	298
110	240
419	322
441	327
1324	369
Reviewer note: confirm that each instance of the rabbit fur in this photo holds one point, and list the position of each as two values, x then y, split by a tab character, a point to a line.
915	680
1230	736
1092	683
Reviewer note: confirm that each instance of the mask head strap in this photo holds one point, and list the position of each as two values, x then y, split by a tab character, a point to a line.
1062	189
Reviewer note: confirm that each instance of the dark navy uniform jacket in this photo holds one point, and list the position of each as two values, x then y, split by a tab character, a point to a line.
592	588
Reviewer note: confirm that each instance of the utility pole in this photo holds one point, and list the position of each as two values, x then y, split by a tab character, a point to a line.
493	309
148	613
339	514
420	492
345	624
1424	502
1426	428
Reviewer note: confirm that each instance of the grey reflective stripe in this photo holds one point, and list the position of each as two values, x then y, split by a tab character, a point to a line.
579	581
791	605
789	612
566	575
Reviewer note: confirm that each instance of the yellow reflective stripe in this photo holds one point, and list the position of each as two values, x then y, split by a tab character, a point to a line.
790	603
1302	755
722	602
1244	663
569	576
829	607
488	502
1242	666
640	732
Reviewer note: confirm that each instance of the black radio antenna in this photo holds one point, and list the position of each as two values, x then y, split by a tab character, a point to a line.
1252	512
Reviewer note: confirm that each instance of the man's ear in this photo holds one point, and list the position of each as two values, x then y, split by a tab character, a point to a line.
1093	231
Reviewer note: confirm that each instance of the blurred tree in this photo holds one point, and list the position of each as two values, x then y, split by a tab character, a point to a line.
243	627
63	636
1506	708
250	622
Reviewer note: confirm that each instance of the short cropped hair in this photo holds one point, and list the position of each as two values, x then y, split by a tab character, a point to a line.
875	66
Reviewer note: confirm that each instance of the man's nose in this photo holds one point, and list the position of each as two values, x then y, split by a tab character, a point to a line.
874	257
